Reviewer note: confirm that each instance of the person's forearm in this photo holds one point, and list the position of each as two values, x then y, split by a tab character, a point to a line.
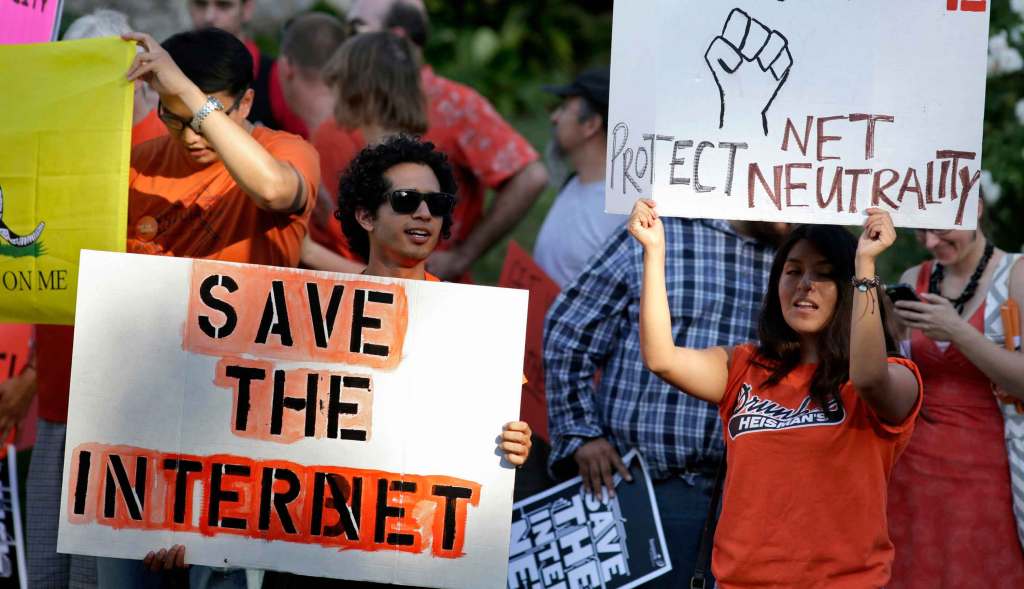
511	202
272	185
869	370
1001	366
318	257
656	343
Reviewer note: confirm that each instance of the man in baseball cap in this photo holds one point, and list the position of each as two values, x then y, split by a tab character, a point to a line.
577	225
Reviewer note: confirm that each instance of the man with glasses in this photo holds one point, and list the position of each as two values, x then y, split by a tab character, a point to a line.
216	187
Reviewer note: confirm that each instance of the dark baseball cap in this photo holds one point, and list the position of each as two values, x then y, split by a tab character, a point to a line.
592	85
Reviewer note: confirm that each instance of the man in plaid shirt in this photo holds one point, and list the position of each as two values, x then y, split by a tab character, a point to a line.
716	274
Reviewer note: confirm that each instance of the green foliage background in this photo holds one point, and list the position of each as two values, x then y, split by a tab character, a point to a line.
509	49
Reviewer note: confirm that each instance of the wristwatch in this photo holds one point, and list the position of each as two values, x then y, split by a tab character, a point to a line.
211	105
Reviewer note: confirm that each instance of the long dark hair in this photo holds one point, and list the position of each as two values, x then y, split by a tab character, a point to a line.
779	349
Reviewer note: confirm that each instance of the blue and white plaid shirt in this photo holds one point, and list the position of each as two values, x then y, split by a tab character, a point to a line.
716	281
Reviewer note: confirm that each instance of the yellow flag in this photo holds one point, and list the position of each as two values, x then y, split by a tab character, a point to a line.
65	139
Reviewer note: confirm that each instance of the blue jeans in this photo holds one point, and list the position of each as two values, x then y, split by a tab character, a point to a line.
684	507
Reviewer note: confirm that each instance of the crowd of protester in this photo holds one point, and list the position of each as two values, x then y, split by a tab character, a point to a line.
885	464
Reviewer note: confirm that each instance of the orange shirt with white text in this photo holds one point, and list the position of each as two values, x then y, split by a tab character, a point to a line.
804	501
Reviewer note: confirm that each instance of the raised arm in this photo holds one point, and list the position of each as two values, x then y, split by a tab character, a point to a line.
272	184
701	373
889	389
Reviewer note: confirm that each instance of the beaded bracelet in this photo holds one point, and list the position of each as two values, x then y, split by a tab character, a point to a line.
865	284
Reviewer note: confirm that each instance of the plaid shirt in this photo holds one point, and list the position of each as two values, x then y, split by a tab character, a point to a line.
716	280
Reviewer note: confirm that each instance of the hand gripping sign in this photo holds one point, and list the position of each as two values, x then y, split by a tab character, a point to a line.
799	112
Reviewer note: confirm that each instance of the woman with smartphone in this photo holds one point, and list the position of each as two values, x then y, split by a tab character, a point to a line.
815	413
950	509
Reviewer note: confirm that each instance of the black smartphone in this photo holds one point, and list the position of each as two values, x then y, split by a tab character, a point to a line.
901	292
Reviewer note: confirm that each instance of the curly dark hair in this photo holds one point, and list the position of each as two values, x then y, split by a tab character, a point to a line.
364	186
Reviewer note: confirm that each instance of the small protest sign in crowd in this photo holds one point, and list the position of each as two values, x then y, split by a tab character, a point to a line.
242	345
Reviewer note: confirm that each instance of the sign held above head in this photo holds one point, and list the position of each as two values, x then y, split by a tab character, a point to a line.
773	112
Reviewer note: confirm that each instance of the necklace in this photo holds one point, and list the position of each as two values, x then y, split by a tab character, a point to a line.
935	280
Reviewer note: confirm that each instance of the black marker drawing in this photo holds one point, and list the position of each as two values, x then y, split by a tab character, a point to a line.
751	64
13	238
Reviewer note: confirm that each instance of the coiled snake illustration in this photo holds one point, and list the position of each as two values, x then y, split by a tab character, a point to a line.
13	238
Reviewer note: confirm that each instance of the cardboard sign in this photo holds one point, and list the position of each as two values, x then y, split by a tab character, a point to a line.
801	111
322	424
14	354
564	538
65	127
30	21
520	271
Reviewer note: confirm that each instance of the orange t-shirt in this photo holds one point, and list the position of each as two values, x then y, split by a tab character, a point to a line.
804	500
178	209
150	127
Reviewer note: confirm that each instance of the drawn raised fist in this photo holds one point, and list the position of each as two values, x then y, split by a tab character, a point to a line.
750	63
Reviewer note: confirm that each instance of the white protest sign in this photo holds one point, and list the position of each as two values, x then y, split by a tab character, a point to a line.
799	110
324	424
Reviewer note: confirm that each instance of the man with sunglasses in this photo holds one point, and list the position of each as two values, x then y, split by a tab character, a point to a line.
395	205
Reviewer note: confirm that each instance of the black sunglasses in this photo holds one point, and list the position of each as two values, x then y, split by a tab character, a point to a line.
177	124
405	202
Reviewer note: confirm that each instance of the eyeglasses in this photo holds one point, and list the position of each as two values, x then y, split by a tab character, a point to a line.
177	124
405	202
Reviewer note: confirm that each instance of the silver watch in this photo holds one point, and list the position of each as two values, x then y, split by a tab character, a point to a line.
211	105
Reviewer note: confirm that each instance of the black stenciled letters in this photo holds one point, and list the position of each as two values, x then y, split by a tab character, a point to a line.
245	376
275	316
280	501
384	511
336	408
451	496
323	325
218	495
206	295
182	469
117	483
361	321
341	493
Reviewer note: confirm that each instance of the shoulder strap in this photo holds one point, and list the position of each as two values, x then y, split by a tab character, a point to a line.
707	539
923	275
998	294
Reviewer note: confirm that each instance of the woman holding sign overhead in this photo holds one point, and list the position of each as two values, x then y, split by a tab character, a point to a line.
815	413
950	509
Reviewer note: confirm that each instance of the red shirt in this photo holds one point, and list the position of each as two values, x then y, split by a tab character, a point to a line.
483	149
286	119
804	502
